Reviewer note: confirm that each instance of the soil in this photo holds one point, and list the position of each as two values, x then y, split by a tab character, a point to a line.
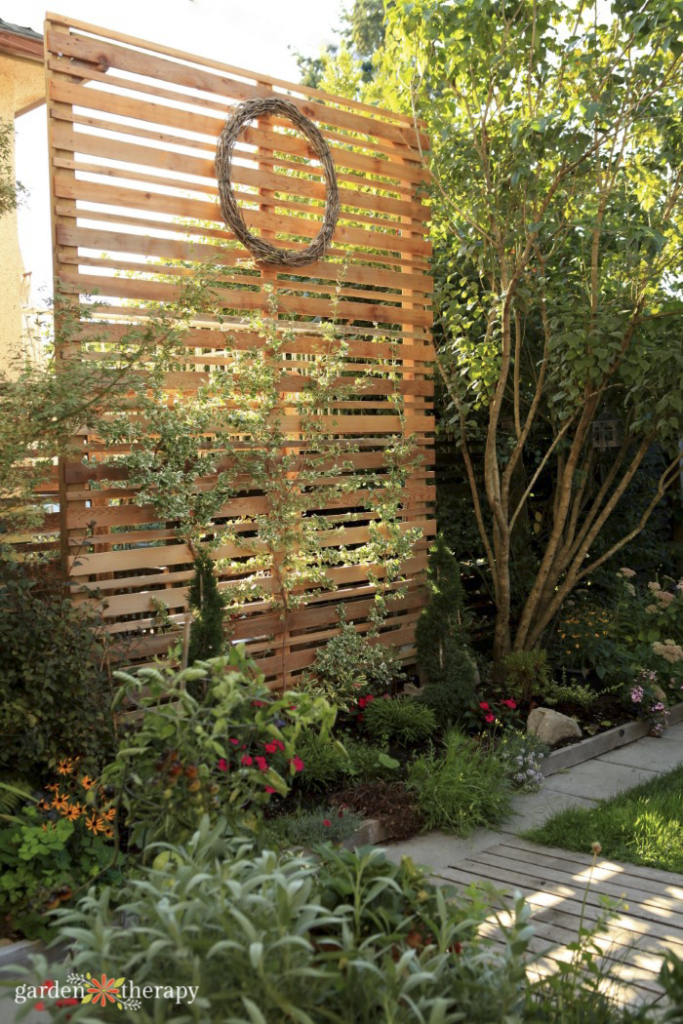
390	802
604	713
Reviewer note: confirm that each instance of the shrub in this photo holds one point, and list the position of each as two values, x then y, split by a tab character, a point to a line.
310	828
181	758
349	667
462	788
527	674
365	761
451	699
268	937
55	691
324	759
403	720
208	604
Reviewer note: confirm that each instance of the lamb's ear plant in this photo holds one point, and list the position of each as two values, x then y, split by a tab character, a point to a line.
336	937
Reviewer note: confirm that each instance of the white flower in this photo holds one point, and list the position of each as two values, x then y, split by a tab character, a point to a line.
628	573
654	586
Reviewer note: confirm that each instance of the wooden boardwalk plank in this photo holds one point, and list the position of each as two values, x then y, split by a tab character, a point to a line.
565	891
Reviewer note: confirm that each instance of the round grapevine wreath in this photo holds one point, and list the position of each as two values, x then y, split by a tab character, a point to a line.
232	214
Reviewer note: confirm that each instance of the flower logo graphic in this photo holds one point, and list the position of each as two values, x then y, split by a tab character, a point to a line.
104	991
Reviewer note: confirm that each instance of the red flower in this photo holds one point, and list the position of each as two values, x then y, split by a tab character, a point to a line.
262	764
274	746
327	823
369	698
362	702
269	789
257	704
246	759
68	1002
341	814
222	765
489	717
234	742
359	718
297	763
483	705
509	704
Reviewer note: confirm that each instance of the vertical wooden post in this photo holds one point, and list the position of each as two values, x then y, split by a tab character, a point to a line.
65	217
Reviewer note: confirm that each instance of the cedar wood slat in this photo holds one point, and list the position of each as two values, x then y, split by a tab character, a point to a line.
379	246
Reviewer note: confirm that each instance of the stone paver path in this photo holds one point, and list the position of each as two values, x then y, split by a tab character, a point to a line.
554	882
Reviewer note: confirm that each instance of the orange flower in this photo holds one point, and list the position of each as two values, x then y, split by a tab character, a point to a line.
87	782
52	787
108	833
95	824
60	803
74	812
43	805
65	767
110	814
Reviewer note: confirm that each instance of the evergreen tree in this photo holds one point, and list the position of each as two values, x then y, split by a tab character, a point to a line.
440	638
208	605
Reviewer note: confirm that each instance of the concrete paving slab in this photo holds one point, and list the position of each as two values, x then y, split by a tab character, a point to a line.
654	755
532	809
597	779
437	850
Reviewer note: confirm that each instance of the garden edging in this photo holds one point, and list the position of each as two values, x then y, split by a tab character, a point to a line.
593	746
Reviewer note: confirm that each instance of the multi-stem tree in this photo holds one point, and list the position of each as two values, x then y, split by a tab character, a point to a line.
558	160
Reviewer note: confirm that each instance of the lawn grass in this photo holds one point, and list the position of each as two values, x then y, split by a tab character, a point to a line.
644	825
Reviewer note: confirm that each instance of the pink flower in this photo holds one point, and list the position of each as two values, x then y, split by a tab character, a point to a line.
297	763
262	764
369	698
483	705
222	765
234	742
327	823
270	748
489	717
246	760
269	789
386	696
509	704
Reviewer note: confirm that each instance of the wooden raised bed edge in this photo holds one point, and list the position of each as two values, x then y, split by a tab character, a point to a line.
593	746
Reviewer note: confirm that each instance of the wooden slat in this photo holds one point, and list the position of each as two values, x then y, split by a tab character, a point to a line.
127	111
161	68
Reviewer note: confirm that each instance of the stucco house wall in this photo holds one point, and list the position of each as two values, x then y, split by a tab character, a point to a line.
22	87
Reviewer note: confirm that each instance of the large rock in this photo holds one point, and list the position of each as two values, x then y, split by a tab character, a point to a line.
551	727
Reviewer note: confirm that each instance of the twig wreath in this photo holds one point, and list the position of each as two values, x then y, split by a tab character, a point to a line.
232	214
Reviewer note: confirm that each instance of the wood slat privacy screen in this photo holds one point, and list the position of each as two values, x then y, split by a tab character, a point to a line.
132	132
